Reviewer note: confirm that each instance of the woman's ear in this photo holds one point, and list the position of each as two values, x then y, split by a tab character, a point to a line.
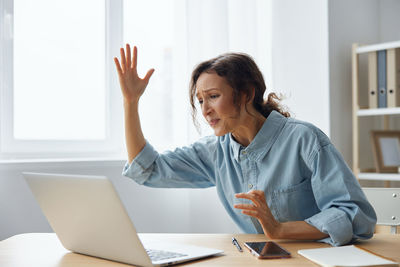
247	98
250	96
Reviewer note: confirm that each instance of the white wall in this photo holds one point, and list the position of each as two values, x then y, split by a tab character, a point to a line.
353	21
389	23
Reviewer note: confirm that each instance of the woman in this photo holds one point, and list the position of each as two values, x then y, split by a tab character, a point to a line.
300	187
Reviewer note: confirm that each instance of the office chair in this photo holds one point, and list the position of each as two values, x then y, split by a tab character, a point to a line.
386	203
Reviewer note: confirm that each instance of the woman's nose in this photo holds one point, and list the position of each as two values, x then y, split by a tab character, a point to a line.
205	108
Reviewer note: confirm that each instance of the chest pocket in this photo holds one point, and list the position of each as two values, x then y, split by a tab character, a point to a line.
294	203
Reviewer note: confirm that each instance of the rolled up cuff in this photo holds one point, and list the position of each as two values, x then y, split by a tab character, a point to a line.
139	169
335	223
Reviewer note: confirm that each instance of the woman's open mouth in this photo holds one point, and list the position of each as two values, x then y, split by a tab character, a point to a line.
213	122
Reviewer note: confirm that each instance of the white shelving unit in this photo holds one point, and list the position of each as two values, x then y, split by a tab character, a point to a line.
379	176
378	111
358	112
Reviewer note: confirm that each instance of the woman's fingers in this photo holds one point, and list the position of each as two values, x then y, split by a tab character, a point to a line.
252	213
254	197
259	209
116	61
123	60
129	61
148	75
134	58
123	67
258	193
244	206
131	84
253	192
249	209
128	56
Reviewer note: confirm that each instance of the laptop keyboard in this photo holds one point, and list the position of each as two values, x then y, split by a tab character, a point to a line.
158	255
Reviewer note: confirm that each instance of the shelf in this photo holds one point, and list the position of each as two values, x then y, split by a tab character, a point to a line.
378	111
364	111
377	47
379	176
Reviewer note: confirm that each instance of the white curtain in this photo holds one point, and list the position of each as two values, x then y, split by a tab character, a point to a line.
208	28
174	38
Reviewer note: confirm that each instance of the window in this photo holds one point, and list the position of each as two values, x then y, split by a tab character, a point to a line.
60	94
59	90
59	70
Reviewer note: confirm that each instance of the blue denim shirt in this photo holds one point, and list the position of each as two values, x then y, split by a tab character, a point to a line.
303	176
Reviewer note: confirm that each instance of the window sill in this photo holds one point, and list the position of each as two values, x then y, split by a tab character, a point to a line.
89	160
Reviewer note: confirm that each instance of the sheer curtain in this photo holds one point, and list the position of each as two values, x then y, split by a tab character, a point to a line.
216	27
173	36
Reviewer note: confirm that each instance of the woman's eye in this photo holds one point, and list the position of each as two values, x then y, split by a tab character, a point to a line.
214	96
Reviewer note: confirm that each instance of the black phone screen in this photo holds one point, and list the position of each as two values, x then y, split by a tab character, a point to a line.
267	249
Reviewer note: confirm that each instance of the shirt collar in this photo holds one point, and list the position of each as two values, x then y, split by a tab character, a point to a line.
235	146
263	140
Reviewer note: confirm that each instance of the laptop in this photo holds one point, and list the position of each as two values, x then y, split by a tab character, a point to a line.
88	217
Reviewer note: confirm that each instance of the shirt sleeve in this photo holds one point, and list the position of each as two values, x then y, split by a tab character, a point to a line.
186	167
346	214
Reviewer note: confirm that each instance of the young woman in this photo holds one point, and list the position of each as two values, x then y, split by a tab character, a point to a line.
274	174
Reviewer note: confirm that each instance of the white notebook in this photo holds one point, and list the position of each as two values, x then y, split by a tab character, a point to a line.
345	256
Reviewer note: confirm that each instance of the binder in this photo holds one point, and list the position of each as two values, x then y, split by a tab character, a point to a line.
382	93
372	80
393	77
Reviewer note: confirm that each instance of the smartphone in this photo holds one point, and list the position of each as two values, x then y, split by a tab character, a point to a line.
267	250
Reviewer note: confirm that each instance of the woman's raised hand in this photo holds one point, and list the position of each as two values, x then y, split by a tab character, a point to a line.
132	85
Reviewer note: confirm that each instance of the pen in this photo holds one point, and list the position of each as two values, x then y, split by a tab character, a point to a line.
236	243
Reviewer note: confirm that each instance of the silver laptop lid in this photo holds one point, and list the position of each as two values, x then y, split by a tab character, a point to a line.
88	217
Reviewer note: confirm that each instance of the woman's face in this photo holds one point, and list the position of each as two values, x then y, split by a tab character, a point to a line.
215	96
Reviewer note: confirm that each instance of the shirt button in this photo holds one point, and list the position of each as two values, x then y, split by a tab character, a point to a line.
250	186
244	152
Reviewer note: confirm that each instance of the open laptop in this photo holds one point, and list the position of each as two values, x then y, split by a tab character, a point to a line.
88	217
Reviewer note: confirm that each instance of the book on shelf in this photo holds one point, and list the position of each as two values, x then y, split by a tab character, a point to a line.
372	80
382	92
393	77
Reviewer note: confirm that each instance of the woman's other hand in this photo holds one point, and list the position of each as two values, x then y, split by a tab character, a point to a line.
132	85
260	210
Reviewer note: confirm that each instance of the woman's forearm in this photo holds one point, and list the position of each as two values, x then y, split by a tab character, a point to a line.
134	138
299	230
132	87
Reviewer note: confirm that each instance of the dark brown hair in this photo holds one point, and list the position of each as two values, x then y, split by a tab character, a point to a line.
243	75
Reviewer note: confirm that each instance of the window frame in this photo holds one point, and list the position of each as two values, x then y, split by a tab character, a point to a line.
111	146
